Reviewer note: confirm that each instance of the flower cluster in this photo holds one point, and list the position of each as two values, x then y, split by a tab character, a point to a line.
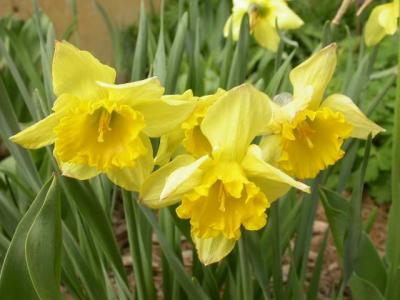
209	163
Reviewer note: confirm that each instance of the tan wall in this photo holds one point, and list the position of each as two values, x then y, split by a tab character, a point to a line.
92	31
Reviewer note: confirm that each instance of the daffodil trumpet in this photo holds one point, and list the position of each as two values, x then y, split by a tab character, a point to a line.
306	133
101	127
264	15
230	186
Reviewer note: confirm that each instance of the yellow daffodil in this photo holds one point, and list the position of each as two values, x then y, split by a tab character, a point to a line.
263	17
381	22
101	127
230	186
306	133
188	134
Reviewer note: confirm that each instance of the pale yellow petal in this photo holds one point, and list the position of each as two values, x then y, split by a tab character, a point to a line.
76	72
169	144
150	192
362	126
183	179
381	22
286	18
81	172
273	182
317	72
233	23
213	249
235	120
167	113
132	178
39	134
271	148
266	35
134	93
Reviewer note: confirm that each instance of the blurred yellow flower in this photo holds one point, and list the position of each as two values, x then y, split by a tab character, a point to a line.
100	127
230	186
263	17
306	133
381	22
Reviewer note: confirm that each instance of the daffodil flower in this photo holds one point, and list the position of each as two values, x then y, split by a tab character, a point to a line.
263	17
231	186
381	22
187	137
101	127
306	133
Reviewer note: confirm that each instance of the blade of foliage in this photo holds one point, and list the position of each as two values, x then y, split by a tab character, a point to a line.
175	54
187	284
140	56
237	73
141	258
393	239
16	280
353	237
8	127
43	247
85	199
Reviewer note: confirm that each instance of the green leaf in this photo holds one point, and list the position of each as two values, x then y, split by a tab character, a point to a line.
8	127
140	57
192	289
337	210
99	223
314	283
369	265
43	247
237	73
354	230
19	280
277	79
176	53
364	290
142	266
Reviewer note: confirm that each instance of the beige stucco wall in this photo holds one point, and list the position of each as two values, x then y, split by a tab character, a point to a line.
92	31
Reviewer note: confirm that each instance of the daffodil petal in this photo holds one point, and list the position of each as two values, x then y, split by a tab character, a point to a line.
266	35
169	144
233	23
150	192
134	93
271	148
39	134
183	179
212	250
273	182
362	126
235	120
81	172
316	72
286	18
76	72
165	114
382	21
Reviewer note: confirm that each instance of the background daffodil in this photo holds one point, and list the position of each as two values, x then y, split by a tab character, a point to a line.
188	136
229	187
263	17
381	22
306	133
101	127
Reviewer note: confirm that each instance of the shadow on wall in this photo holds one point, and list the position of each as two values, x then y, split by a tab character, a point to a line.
92	32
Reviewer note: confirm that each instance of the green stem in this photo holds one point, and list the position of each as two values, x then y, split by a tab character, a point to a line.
393	242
